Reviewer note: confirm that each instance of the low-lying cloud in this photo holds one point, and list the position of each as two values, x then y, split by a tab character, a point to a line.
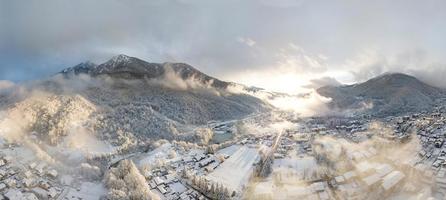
321	82
305	104
308	105
173	80
4	84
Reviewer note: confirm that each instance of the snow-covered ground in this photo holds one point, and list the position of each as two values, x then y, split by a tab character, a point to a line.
160	153
56	167
87	191
295	170
235	172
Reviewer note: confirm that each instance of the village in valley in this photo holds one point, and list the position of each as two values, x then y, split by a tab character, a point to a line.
316	158
269	156
222	100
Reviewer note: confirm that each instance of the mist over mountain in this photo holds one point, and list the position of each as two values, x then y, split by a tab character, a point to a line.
128	100
128	116
387	94
222	100
123	66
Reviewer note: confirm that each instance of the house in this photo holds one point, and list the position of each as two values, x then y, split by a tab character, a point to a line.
339	179
39	192
39	168
318	186
383	169
28	174
28	182
158	181
32	165
392	179
206	162
10	182
199	157
371	180
52	192
161	189
52	173
13	194
2	186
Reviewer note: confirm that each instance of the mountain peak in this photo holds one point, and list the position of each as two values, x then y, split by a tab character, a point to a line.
120	58
395	76
393	79
81	68
123	66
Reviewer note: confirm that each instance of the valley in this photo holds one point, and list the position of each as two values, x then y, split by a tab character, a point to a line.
176	135
222	100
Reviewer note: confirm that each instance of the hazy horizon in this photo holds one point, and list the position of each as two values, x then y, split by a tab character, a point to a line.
280	45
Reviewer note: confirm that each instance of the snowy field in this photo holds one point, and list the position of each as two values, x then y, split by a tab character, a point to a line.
87	191
295	170
235	172
160	153
288	180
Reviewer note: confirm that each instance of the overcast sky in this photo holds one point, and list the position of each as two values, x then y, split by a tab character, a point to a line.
277	44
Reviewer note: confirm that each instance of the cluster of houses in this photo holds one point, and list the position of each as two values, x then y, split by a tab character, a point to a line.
431	132
171	188
368	175
30	181
351	129
26	178
430	129
381	177
168	181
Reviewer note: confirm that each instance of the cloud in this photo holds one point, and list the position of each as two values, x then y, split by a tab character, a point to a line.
4	85
309	105
418	63
296	59
39	38
366	64
433	74
292	68
173	80
247	41
324	81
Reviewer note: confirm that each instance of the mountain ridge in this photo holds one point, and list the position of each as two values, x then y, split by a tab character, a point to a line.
389	93
123	66
126	100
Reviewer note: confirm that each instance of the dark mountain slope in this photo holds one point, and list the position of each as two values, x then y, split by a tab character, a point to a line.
387	94
123	66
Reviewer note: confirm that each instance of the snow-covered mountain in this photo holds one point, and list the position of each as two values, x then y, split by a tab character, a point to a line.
388	94
123	66
82	68
127	100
